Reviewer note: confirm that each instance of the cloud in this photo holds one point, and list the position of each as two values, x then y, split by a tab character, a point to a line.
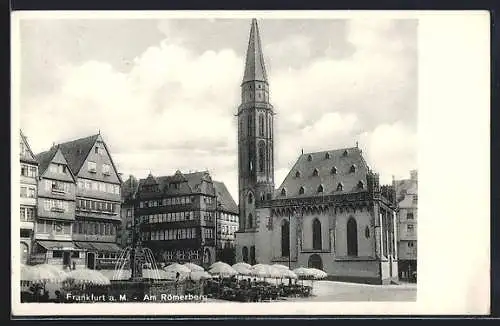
173	108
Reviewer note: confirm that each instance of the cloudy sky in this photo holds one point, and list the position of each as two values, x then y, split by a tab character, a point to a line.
163	92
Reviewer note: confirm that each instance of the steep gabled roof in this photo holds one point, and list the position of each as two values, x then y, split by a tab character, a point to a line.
188	183
76	151
224	198
30	158
44	159
254	66
129	187
327	169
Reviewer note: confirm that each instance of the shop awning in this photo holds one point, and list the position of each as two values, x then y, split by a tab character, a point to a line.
57	245
98	246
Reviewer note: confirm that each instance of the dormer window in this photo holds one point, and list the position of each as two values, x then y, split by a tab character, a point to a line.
327	156
301	190
297	174
352	169
320	188
333	170
340	186
309	157
315	173
361	185
283	192
345	153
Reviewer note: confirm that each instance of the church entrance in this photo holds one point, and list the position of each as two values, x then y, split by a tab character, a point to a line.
315	262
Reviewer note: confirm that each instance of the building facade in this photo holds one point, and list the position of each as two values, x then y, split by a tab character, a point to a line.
126	231
227	217
93	209
330	211
56	212
28	195
407	198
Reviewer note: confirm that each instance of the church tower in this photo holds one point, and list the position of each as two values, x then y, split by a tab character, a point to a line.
255	134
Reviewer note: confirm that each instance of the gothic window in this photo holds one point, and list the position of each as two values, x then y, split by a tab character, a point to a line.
309	158
316	234
327	156
340	187
320	188
283	192
250	125
352	169
315	173
301	191
244	253
261	125
334	170
361	185
297	174
367	232
352	237
262	158
250	221
285	238
252	255
250	198
262	197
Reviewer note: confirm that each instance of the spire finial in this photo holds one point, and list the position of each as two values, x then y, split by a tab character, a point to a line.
302	150
254	67
356	144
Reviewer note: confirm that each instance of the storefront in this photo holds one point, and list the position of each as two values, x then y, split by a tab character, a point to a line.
62	253
99	255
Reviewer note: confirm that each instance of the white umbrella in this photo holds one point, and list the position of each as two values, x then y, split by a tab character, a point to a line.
279	266
193	267
177	268
83	276
242	270
318	273
42	273
219	263
223	270
246	265
303	272
263	270
199	275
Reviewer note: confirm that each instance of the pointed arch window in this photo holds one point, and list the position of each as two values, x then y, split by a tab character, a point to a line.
283	192
316	234
352	169
244	253
340	187
367	232
333	170
262	156
252	255
315	172
301	190
352	237
250	125
285	238
320	188
261	125
297	174
250	221
309	157
361	185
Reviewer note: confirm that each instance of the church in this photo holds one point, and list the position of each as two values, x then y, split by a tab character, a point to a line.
330	212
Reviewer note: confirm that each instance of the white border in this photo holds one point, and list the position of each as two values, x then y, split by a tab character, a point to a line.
454	167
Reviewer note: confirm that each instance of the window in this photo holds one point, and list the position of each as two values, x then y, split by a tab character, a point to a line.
410	228
352	237
297	174
92	167
283	192
410	244
285	238
24	192
316	234
409	216
361	185
334	170
327	156
340	187
28	171
261	125
106	169
301	190
352	169
99	149
320	188
345	153
252	255
250	220
315	172
244	252
262	156
367	232
415	199
309	158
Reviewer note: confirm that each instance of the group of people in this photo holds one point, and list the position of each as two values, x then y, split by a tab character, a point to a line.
37	293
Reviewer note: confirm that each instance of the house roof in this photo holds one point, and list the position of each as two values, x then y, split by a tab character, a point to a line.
129	187
313	170
76	151
224	198
30	158
188	183
404	187
44	159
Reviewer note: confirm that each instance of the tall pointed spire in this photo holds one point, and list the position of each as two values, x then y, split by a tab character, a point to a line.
254	67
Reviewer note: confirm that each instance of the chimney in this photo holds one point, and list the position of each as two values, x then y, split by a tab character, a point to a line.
302	151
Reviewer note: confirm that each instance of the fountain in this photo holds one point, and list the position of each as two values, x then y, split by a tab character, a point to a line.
136	286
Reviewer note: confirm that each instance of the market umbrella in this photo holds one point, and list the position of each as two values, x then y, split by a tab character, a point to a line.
279	266
246	265
42	273
177	268
264	271
222	270
318	273
242	270
304	273
199	275
87	276
193	267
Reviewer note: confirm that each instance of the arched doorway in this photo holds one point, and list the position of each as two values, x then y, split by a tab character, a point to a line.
207	256
24	253
315	262
285	238
316	226
244	253
352	237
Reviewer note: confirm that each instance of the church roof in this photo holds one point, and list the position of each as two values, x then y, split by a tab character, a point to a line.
323	173
76	151
224	198
254	66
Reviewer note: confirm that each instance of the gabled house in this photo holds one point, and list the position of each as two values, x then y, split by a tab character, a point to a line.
28	192
56	212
